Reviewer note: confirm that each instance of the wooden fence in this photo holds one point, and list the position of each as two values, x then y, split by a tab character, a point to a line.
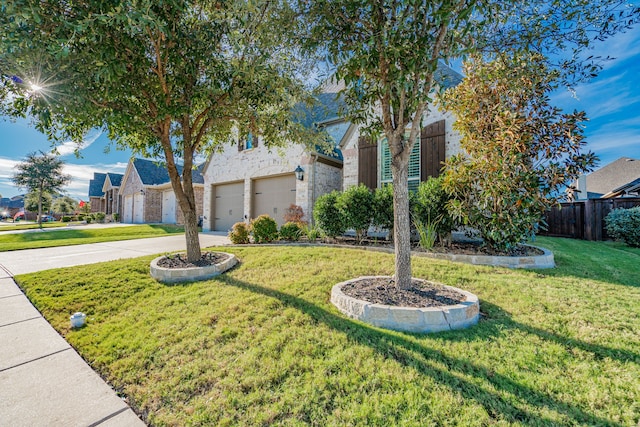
584	219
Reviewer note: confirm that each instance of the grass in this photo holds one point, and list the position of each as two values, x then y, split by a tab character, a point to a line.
32	240
32	225
262	344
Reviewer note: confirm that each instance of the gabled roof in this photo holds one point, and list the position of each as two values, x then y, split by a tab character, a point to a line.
631	188
115	179
153	173
95	185
614	175
13	202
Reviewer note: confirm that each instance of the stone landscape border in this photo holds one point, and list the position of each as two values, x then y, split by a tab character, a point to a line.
409	319
191	274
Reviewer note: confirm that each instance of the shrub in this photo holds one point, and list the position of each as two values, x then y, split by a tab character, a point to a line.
356	206
312	233
383	208
427	231
239	234
116	217
100	216
327	215
80	217
624	224
290	231
88	218
294	214
429	207
264	229
66	218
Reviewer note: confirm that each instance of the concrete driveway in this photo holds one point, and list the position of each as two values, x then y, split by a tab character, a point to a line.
43	381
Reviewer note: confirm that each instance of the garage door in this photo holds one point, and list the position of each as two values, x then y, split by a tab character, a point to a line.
168	207
273	196
228	205
128	209
138	208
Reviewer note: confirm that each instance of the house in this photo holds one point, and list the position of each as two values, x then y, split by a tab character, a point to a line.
616	179
247	179
9	207
147	196
96	193
112	198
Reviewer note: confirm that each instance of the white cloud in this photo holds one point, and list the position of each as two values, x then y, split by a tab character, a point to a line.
7	167
69	147
621	47
78	187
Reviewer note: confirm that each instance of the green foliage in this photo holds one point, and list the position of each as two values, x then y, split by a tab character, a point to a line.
99	217
31	202
64	205
520	150
264	229
312	233
239	233
327	215
428	232
624	224
66	218
291	231
88	218
383	208
116	217
356	206
429	207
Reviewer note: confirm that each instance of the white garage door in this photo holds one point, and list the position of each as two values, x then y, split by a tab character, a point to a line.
138	208
228	205
273	196
128	209
168	207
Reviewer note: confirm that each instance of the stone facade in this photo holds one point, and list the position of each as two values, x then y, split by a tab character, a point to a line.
199	195
231	165
350	146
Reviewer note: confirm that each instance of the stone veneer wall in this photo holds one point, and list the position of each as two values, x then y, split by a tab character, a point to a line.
350	149
152	206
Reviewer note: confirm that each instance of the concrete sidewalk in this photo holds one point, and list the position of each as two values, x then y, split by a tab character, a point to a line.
43	381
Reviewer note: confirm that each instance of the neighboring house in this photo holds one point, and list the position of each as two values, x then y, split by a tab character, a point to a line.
247	179
112	198
615	179
11	206
96	192
147	196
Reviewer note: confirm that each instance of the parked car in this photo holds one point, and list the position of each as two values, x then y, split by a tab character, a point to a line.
47	218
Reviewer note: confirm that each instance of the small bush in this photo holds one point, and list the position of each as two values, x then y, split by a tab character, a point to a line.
327	215
239	234
100	216
294	214
290	231
383	209
356	206
80	217
624	224
66	219
264	229
116	217
312	233
429	207
88	218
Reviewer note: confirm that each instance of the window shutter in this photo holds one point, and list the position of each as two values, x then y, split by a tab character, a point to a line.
432	155
368	162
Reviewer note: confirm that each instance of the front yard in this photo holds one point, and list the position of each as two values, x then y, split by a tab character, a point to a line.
263	345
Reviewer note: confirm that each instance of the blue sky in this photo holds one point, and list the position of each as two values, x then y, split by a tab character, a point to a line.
612	103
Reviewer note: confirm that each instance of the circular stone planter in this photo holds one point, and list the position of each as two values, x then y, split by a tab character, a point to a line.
409	319
545	260
190	274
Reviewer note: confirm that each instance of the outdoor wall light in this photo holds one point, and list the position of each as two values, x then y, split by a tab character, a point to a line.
299	173
142	191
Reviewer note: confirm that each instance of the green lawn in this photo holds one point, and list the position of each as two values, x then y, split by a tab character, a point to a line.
262	344
36	239
6	226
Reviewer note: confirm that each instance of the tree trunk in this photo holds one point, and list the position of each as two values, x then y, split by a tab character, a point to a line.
39	208
402	222
191	235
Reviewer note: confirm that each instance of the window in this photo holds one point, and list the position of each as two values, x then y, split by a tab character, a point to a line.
247	142
414	165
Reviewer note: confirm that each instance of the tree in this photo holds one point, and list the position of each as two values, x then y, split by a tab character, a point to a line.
519	150
32	202
169	79
64	205
41	174
387	53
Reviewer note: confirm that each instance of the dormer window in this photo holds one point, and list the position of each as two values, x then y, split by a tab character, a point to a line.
247	142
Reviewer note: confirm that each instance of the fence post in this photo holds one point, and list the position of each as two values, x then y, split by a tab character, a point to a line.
589	224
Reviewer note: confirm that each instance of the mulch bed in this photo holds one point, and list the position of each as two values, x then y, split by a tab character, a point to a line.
180	260
457	248
382	290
